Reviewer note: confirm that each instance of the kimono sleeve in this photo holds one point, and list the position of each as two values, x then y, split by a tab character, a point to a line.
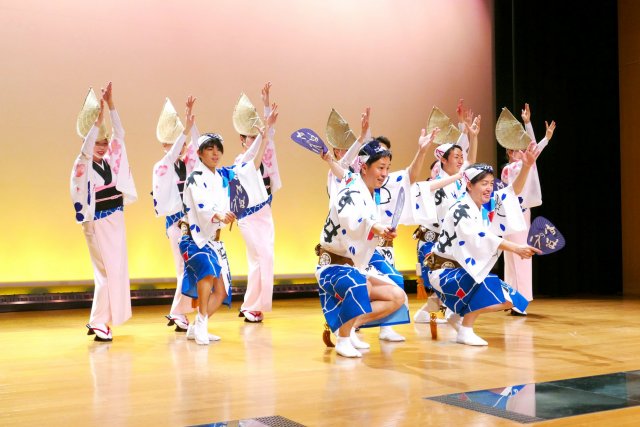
200	207
80	184
472	245
357	215
165	190
507	215
531	194
463	141
423	203
119	162
191	156
389	198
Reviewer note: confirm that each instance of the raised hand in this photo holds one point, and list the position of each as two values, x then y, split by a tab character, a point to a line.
550	129
265	93
273	115
107	95
530	155
460	109
364	122
474	128
189	117
526	114
100	117
468	119
425	141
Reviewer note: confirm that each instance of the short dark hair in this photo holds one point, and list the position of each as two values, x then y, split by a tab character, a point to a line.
453	147
213	140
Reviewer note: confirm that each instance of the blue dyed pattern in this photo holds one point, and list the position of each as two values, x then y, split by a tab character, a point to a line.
343	294
255	208
401	315
199	263
423	249
463	295
105	213
171	219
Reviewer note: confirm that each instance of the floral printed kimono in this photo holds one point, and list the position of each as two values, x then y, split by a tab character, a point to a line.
99	191
517	271
169	177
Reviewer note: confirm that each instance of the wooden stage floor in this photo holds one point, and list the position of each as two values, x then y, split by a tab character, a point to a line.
52	373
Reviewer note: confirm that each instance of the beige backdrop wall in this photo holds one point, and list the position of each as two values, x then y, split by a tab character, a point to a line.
400	57
629	42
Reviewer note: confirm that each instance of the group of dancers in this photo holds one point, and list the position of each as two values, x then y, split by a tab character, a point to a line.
192	191
464	221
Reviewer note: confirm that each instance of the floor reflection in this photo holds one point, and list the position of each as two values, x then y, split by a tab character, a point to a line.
553	399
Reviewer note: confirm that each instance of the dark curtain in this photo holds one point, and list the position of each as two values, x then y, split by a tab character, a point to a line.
562	58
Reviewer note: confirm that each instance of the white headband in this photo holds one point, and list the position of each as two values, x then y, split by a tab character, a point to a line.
474	171
441	149
207	136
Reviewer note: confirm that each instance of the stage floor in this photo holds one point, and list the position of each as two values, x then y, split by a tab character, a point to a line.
52	373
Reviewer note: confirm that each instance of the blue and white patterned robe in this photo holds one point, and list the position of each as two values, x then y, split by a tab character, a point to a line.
207	193
348	232
472	239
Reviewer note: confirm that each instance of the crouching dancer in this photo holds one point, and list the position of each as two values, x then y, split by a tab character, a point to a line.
470	243
349	297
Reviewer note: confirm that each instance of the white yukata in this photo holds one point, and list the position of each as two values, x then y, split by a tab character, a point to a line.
207	193
167	202
472	239
348	233
517	271
258	231
104	229
443	199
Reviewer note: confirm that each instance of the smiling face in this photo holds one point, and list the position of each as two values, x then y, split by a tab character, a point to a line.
210	156
100	149
480	190
452	164
375	174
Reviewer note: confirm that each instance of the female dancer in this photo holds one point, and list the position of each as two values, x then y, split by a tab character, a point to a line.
101	184
469	245
169	176
208	209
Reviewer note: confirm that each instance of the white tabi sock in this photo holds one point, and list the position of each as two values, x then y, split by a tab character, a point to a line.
345	349
356	341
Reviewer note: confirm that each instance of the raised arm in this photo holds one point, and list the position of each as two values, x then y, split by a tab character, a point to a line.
176	148
528	158
365	135
335	166
525	113
86	152
263	136
436	184
473	130
117	128
424	143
